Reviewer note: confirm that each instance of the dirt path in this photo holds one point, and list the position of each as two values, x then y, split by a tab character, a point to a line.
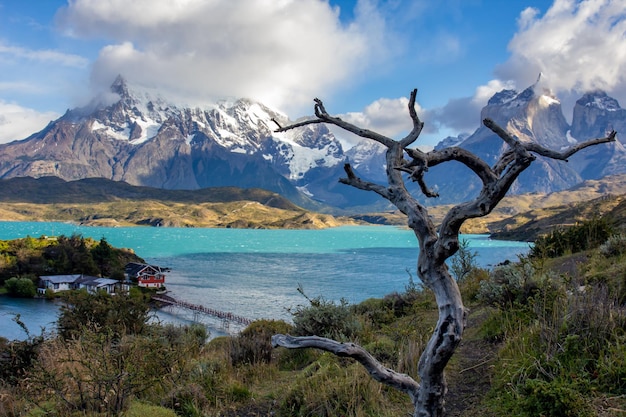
469	375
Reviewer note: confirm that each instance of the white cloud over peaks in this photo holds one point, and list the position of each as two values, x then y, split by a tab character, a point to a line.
387	116
282	52
578	45
17	122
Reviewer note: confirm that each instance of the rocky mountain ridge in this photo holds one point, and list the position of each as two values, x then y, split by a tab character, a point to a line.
139	137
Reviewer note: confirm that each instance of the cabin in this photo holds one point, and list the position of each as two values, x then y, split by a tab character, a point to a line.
92	284
149	276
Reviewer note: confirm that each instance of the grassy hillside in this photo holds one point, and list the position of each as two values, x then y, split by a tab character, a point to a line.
524	210
97	201
544	337
101	202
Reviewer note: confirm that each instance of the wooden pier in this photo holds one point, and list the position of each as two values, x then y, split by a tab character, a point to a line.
202	309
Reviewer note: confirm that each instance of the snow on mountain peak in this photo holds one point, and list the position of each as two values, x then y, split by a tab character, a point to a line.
600	100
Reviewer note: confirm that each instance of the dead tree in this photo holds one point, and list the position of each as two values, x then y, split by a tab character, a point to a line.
436	245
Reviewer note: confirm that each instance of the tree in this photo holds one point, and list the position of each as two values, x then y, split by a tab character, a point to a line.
119	314
21	287
436	245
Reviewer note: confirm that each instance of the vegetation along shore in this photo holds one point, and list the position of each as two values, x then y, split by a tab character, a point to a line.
545	336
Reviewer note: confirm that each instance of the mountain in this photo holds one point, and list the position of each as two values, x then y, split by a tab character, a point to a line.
139	137
535	115
143	139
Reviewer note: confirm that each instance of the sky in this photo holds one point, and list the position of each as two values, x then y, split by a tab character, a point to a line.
361	57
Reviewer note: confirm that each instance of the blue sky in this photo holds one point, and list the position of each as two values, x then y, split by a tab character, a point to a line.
362	57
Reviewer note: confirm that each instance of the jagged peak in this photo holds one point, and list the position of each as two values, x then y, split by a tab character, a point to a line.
119	86
538	90
599	99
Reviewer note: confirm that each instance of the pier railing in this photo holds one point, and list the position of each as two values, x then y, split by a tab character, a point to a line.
202	309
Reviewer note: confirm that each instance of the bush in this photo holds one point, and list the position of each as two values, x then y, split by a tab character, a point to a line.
21	287
586	235
514	284
611	369
119	313
253	345
138	409
555	398
614	246
325	318
463	262
17	357
329	389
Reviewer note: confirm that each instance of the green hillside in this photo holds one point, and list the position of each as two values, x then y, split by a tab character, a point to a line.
102	202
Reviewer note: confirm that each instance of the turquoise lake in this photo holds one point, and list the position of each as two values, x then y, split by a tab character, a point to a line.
253	273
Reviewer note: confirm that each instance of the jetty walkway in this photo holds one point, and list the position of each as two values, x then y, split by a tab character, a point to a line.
165	299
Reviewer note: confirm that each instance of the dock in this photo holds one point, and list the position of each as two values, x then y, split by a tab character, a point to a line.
224	315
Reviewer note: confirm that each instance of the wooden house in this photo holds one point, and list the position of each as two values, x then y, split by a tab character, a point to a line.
149	276
92	284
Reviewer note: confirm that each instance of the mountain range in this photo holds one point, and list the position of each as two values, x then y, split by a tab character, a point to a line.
139	137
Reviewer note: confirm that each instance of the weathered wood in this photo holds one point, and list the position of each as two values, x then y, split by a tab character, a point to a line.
436	245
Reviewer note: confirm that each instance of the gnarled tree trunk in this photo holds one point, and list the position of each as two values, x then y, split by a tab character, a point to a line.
435	246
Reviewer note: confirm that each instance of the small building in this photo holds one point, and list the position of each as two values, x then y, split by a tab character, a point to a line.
57	283
92	284
95	284
149	276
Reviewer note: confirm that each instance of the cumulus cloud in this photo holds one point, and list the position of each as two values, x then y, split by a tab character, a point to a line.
463	114
388	116
578	45
17	122
281	52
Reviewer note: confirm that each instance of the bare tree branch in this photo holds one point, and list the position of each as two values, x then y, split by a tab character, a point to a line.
418	125
380	373
357	182
535	147
324	117
299	124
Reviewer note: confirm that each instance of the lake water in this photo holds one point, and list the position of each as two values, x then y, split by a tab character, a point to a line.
253	273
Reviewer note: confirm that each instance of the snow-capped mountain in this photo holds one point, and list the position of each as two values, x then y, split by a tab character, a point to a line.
143	139
138	136
535	115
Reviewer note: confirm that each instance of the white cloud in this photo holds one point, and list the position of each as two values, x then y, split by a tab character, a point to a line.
281	52
387	116
578	45
43	56
17	122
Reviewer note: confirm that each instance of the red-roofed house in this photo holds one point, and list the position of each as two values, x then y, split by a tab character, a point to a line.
149	276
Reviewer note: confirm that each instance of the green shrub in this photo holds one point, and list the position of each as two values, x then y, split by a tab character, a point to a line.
238	393
463	262
384	350
187	400
555	398
253	345
21	287
586	235
139	409
328	388
611	369
614	246
326	318
296	359
510	284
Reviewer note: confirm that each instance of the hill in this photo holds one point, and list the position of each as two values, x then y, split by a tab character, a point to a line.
523	217
98	201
